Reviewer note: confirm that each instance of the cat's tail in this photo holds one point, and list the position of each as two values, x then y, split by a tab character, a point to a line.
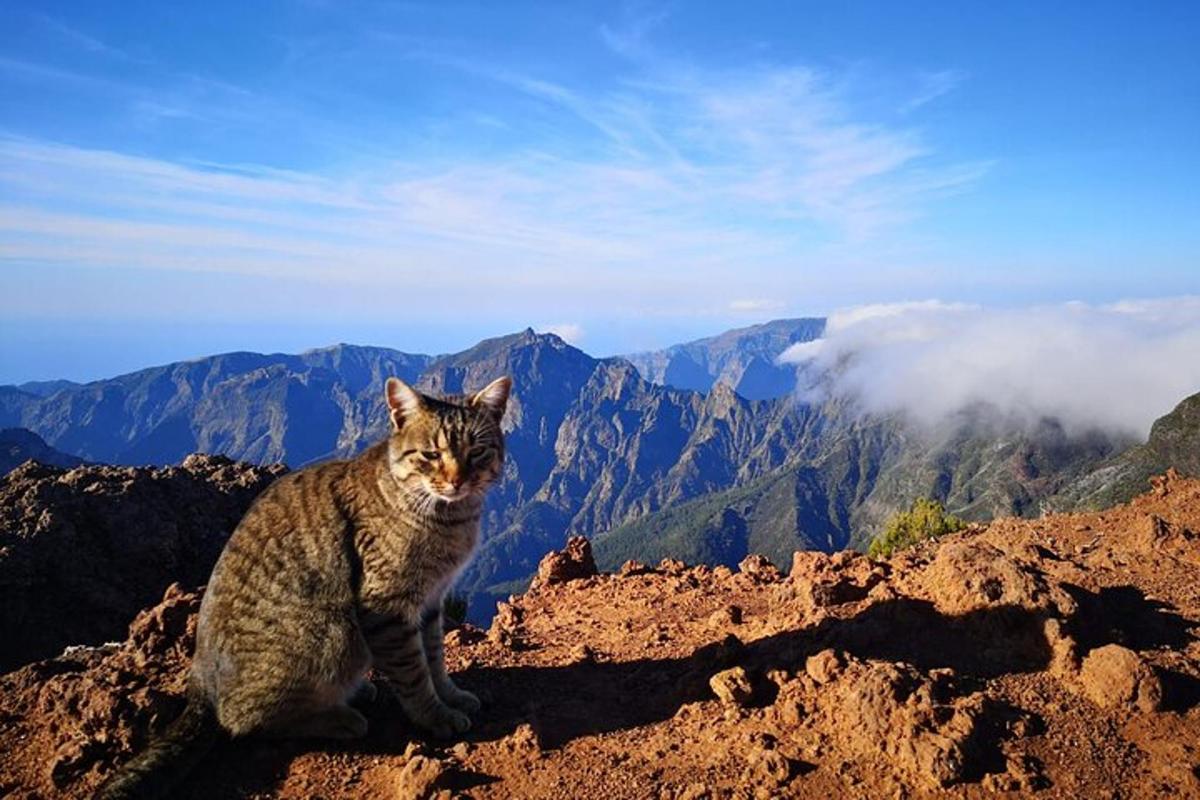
167	759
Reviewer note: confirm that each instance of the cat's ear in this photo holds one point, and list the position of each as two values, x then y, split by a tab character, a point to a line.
403	402
494	396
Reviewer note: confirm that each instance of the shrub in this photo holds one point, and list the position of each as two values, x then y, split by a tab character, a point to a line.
925	519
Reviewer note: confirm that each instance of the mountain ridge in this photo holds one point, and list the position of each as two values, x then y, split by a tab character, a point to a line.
594	448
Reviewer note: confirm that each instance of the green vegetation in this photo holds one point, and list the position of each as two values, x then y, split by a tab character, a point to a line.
925	519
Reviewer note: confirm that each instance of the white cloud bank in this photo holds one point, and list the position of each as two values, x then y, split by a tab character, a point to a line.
1117	366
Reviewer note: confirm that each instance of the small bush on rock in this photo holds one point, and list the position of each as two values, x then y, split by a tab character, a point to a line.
925	519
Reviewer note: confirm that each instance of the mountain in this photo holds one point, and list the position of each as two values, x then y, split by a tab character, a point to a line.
743	358
594	446
261	408
851	471
46	388
18	445
1174	442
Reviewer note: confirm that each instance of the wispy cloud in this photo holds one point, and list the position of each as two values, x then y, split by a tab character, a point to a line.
85	41
669	176
931	86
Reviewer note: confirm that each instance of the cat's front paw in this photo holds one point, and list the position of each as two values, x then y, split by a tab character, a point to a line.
463	700
447	723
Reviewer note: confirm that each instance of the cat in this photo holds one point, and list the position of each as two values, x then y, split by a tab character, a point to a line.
336	569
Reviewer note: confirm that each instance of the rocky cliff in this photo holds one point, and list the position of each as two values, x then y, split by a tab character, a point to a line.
81	550
1056	657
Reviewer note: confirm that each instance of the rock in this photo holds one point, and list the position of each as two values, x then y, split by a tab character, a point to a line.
1117	678
421	778
825	666
808	564
970	575
822	594
732	686
1161	485
71	760
581	654
88	548
791	711
523	739
506	625
632	567
729	615
760	569
572	563
768	768
1064	651
464	635
672	566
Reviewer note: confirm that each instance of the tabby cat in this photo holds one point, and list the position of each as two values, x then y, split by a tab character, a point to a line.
335	569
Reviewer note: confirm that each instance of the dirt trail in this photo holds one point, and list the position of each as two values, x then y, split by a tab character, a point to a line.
1056	656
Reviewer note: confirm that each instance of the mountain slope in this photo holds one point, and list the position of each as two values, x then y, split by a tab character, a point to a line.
852	473
18	445
1174	442
743	358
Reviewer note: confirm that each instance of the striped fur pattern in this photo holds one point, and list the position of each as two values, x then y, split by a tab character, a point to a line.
343	566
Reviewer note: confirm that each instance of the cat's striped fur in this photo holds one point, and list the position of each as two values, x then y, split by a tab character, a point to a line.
337	568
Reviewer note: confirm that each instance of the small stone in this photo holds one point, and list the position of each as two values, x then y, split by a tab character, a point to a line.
581	654
760	569
632	567
729	615
771	768
732	686
420	778
825	666
523	739
791	712
672	566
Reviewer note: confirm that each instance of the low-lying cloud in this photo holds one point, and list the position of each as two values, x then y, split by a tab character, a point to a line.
1117	366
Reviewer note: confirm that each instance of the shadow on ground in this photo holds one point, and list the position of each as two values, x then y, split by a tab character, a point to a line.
568	702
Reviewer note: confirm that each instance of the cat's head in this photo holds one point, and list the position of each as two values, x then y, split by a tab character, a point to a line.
449	449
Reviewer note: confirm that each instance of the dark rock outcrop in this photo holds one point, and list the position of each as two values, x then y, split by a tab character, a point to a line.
81	550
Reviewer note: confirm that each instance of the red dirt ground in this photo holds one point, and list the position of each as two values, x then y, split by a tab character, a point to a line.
1055	657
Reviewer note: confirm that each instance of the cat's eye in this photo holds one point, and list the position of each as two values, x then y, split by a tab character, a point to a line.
477	452
432	455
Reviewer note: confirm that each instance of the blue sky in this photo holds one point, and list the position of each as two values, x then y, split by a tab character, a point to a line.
179	179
